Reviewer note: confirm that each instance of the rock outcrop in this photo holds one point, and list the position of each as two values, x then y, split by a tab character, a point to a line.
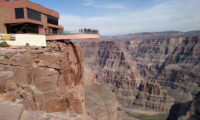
186	111
43	79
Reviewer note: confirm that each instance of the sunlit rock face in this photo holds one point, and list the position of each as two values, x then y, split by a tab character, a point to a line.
46	79
147	71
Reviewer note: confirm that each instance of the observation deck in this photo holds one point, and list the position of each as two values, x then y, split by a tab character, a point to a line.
73	35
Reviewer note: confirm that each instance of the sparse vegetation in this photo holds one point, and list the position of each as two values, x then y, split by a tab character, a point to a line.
4	44
6	56
27	44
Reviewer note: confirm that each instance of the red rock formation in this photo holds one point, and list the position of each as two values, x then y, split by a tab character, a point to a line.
47	79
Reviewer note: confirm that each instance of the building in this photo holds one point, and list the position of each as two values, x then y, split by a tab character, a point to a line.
26	17
23	16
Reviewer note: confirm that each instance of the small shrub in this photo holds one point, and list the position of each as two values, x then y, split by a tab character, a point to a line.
37	61
27	44
4	44
6	56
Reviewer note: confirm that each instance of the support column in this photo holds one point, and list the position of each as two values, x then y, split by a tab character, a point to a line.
41	30
25	13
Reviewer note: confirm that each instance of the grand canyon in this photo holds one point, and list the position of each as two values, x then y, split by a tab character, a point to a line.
147	71
122	77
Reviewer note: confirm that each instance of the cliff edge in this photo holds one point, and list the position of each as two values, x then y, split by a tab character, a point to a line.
46	79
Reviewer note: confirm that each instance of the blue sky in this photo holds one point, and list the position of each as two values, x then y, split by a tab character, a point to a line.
91	8
114	17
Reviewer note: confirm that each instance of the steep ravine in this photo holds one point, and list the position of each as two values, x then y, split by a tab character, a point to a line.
147	73
115	68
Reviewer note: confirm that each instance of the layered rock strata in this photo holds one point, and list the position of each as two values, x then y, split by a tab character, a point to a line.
173	62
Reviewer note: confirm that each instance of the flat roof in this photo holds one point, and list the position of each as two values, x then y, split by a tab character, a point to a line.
29	4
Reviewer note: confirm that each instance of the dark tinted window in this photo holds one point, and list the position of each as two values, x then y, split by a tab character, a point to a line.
19	13
52	20
23	28
35	15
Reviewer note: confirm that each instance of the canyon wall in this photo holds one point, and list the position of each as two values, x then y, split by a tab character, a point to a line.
49	79
115	68
147	73
173	62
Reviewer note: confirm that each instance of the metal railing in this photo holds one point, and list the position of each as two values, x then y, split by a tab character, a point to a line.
80	31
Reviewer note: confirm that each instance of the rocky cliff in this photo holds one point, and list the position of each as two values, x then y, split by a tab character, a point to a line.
186	111
46	79
148	72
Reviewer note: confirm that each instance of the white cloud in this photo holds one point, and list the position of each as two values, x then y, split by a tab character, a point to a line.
158	0
180	15
110	6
